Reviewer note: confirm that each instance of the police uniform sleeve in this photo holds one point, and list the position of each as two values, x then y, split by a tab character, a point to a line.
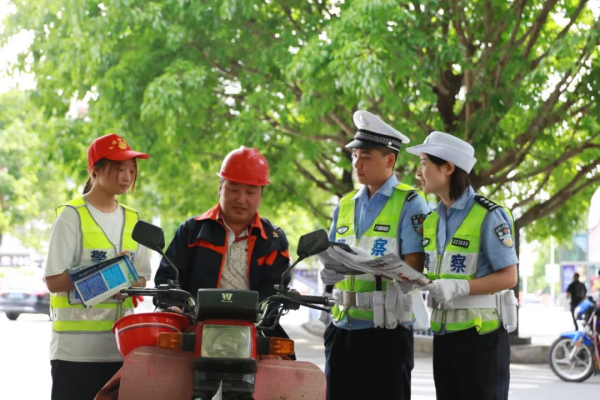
141	262
334	224
177	252
497	239
410	232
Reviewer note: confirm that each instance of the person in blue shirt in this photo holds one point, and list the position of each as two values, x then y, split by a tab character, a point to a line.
469	250
382	217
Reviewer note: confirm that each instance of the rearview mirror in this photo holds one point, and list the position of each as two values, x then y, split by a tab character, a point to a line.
149	236
153	238
309	245
313	243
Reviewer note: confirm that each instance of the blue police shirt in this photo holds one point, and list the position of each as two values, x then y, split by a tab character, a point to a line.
365	212
493	254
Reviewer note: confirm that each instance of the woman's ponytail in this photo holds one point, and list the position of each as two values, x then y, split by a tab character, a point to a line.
88	185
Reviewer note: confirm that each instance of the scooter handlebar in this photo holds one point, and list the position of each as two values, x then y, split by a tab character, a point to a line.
321	300
293	297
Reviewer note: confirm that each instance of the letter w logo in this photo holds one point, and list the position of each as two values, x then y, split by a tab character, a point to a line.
227	296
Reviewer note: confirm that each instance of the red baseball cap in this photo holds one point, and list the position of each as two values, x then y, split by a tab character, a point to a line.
112	147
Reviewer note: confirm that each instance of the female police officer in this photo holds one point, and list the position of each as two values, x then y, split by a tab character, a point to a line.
469	255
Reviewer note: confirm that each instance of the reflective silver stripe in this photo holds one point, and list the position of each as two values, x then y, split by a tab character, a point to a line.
464	302
85	314
357	300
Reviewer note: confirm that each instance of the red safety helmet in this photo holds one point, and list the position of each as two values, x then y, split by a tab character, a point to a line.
246	166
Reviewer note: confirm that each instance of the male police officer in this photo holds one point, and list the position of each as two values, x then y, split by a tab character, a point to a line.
367	359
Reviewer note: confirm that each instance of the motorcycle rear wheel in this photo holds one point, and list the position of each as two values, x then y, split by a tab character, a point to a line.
578	369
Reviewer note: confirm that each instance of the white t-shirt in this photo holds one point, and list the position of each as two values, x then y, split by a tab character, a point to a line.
64	253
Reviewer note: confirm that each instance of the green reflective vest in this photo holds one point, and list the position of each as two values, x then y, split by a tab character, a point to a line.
459	261
76	318
380	239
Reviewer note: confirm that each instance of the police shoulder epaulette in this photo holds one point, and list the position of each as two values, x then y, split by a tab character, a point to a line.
412	195
485	202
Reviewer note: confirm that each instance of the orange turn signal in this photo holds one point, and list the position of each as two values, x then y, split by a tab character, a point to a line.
171	341
280	346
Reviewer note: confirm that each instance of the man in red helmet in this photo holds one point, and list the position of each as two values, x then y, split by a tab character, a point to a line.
230	246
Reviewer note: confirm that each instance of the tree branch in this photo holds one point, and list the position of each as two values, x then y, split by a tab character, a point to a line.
340	122
509	45
295	133
310	177
535	193
316	211
535	29
288	13
562	33
548	207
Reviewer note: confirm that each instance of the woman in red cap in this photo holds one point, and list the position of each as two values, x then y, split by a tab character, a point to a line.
87	230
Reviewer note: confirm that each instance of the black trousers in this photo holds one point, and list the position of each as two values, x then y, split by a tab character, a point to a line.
368	364
469	366
80	380
573	307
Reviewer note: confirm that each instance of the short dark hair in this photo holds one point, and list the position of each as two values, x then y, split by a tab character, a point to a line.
385	151
459	180
576	275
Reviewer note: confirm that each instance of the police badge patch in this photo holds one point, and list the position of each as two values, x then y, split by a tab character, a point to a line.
417	222
503	234
342	229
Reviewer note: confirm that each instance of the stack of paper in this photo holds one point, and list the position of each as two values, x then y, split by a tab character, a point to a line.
389	266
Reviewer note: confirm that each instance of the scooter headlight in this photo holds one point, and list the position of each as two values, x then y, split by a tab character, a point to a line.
226	341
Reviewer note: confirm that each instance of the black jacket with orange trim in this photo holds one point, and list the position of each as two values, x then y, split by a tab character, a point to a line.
199	247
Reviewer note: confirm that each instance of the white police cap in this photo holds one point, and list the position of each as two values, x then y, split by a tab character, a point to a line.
448	148
373	132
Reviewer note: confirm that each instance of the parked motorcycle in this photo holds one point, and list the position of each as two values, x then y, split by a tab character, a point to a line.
575	355
217	347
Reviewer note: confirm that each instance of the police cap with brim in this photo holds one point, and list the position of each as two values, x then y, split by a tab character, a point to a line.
448	148
373	133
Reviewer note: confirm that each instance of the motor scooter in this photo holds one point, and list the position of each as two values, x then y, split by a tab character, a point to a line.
218	347
575	355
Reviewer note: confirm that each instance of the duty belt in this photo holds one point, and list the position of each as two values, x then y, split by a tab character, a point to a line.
346	298
464	302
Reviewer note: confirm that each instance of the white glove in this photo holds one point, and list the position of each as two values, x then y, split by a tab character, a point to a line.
405	287
330	277
444	290
349	259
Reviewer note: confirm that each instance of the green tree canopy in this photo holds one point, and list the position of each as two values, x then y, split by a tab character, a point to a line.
188	81
28	191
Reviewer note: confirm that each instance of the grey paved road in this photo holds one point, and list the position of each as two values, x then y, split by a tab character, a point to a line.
25	369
